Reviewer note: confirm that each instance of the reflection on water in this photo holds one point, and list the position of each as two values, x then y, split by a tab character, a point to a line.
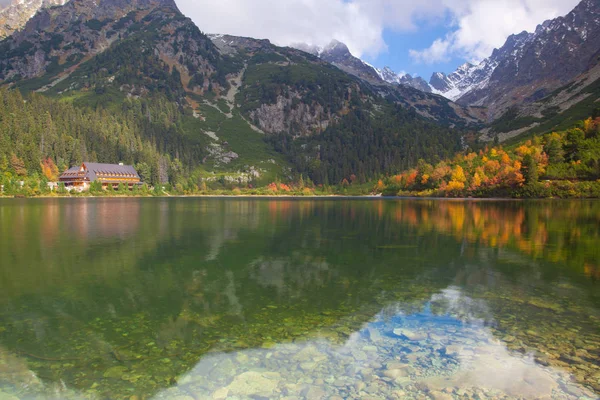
394	356
194	299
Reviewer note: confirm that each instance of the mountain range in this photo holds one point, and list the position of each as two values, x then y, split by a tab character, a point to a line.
242	109
522	80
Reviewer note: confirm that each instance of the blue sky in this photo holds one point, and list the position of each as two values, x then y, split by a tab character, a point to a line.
398	58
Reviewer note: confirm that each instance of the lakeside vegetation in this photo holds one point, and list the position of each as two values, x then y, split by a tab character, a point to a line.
563	164
33	152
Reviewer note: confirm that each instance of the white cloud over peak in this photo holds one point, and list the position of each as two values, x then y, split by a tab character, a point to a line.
479	26
476	27
360	24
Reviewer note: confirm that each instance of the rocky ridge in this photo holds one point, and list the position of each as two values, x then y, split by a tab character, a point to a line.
338	54
16	14
530	65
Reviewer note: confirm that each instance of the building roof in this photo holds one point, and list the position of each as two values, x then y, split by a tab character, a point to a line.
93	171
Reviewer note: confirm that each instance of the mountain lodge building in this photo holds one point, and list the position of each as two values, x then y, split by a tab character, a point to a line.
109	174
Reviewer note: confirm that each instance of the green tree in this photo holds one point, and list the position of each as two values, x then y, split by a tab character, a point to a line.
573	144
144	171
529	169
61	188
96	187
3	164
554	151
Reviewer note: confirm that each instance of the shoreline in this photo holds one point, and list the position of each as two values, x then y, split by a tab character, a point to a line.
299	197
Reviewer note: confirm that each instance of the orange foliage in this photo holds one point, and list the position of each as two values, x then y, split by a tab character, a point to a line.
491	167
49	169
285	188
411	178
441	171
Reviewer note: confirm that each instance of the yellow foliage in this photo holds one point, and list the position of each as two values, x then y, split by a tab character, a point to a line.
588	125
523	150
458	174
476	181
455	186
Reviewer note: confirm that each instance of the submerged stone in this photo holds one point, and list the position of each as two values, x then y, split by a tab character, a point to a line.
254	384
395	373
115	372
414	336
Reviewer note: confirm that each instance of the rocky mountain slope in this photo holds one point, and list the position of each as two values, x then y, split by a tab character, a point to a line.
233	110
16	14
530	66
338	54
404	79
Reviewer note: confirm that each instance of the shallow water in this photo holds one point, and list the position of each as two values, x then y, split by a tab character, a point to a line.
213	298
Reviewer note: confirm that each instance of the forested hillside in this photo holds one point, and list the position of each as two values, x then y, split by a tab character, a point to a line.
557	164
35	128
144	86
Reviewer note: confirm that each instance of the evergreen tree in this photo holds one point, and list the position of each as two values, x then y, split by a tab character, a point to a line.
529	170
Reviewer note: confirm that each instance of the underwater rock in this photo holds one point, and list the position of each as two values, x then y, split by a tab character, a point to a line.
374	334
395	373
370	349
413	336
220	394
314	393
453	350
115	372
440	396
310	354
254	384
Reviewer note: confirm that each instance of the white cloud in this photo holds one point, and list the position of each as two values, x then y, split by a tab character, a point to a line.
358	23
477	26
437	52
290	21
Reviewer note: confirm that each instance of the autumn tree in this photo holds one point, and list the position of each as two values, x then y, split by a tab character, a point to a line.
18	166
458	174
49	169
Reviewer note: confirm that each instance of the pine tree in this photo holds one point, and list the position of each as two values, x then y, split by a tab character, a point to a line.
529	170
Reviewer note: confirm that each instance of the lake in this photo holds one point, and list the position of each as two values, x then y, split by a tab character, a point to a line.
320	299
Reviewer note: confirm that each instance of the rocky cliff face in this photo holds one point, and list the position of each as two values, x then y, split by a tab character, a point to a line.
338	54
530	65
56	42
16	14
387	75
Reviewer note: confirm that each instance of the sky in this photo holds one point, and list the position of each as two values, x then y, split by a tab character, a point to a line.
413	36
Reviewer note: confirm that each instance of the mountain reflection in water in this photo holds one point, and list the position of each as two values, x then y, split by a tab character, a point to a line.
197	298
